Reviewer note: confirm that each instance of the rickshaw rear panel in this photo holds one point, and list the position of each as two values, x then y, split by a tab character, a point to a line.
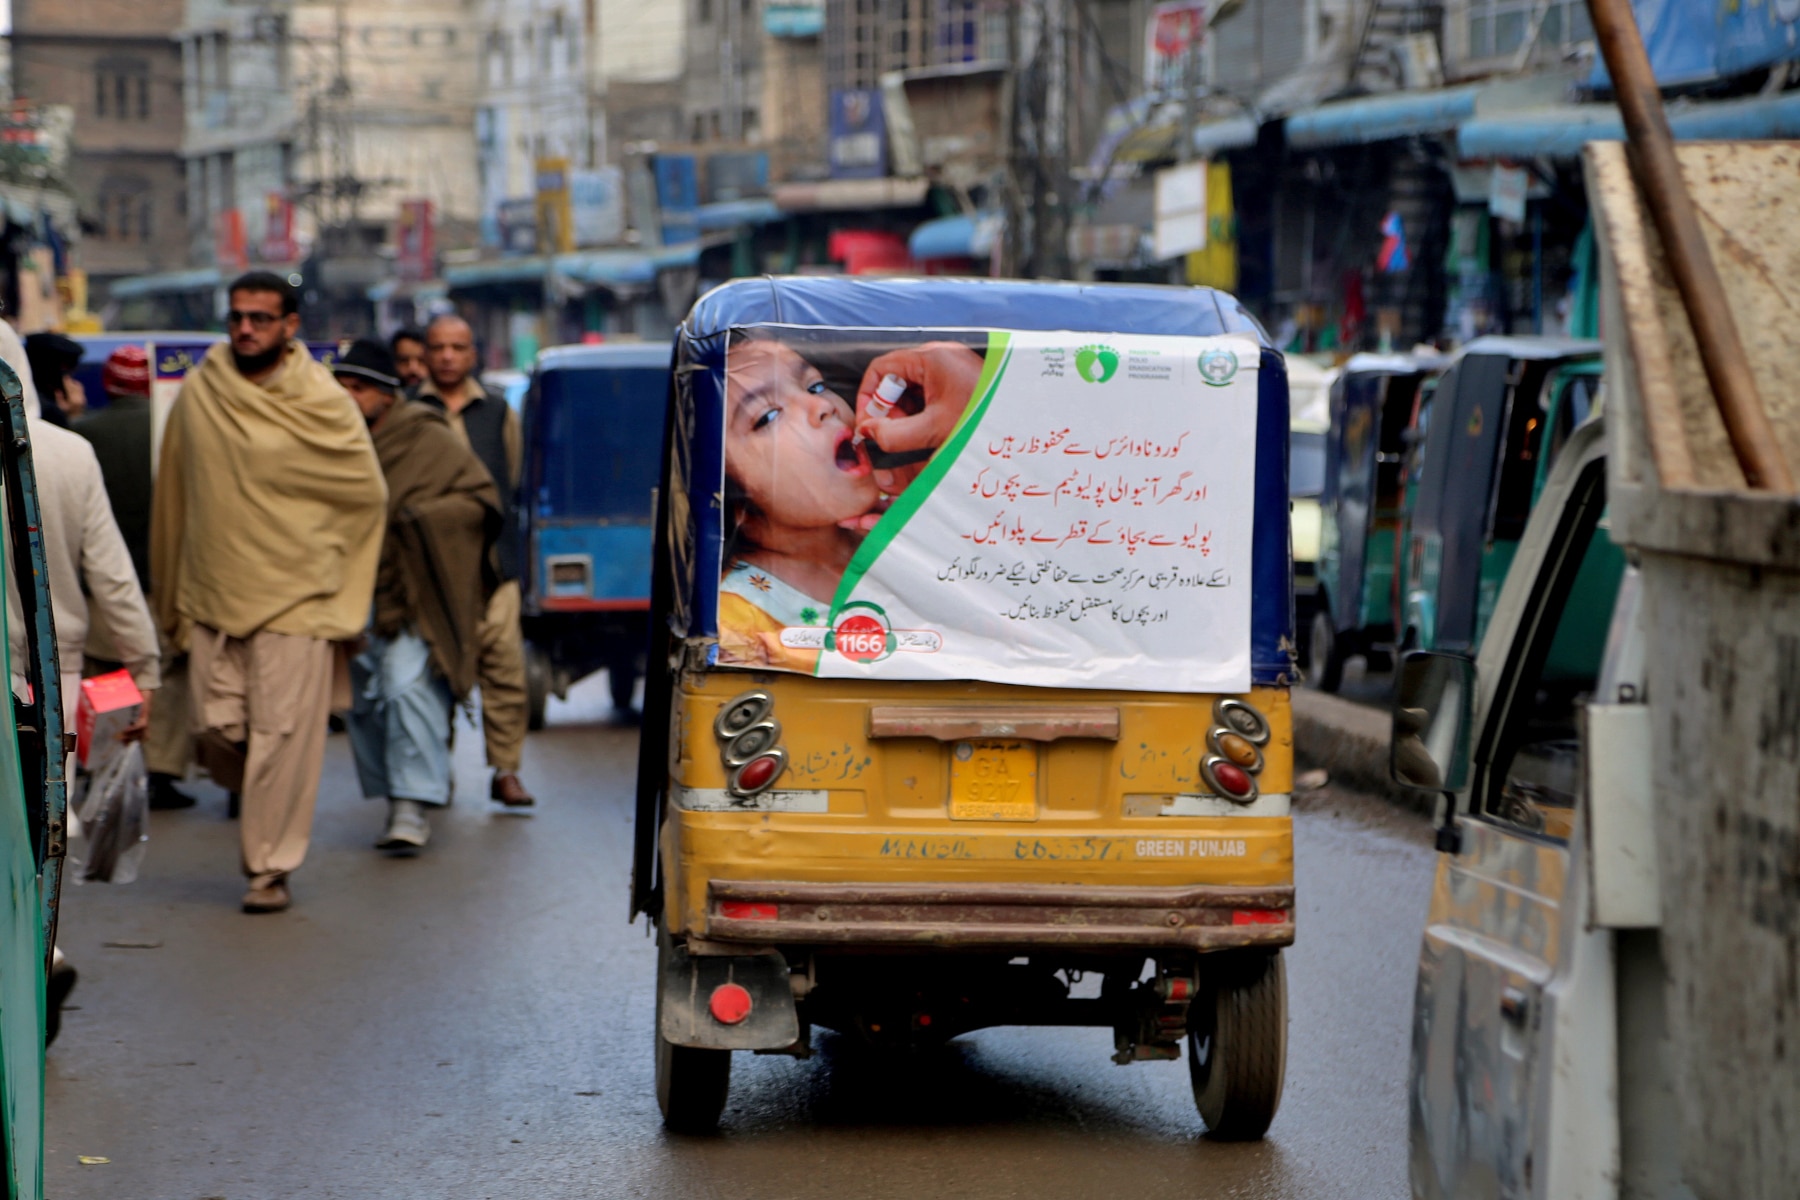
955	838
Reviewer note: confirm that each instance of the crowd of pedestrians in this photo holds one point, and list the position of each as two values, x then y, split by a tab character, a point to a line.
312	541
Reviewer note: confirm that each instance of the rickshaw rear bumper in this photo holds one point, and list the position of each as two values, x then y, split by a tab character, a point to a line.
981	916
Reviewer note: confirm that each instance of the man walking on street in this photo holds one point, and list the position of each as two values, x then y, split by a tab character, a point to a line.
437	571
408	346
265	535
120	435
491	429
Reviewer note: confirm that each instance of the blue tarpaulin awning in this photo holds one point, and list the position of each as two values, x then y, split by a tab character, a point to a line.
1381	118
601	268
1560	132
962	236
1227	133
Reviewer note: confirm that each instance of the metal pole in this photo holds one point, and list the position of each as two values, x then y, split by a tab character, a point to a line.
1650	146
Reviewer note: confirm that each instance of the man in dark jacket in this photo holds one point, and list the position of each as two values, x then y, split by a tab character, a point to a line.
491	429
120	434
431	594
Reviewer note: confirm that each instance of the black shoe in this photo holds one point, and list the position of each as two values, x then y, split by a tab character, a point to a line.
62	982
164	795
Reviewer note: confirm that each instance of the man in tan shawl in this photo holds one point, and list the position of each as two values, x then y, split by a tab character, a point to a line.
265	535
438	569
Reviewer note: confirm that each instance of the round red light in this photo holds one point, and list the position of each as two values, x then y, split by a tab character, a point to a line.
730	1003
758	773
1231	778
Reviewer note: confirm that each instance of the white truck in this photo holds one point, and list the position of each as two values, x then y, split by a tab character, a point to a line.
1608	998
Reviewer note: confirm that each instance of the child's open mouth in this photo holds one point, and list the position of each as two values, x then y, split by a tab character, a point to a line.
849	456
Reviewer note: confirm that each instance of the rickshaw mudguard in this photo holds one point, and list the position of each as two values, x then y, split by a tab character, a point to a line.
688	982
1171	901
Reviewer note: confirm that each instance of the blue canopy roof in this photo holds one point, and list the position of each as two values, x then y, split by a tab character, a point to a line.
1380	118
1560	132
884	303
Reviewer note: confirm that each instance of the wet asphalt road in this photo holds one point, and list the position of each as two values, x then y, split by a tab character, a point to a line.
476	1023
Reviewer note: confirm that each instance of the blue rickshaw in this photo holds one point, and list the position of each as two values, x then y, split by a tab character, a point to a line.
593	438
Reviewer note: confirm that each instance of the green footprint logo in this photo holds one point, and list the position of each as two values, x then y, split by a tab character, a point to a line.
1097	364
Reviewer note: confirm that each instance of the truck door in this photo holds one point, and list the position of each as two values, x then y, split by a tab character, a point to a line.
1495	944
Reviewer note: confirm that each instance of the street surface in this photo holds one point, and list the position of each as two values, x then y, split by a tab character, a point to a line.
476	1023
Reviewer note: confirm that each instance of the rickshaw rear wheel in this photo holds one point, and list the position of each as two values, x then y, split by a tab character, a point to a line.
1237	1044
691	1083
537	686
1324	660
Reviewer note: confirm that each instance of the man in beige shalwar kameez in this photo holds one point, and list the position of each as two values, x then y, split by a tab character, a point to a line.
265	536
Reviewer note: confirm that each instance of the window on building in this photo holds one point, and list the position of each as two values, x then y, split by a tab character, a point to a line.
122	89
703	11
1500	27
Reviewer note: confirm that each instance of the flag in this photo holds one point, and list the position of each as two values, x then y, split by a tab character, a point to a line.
1393	258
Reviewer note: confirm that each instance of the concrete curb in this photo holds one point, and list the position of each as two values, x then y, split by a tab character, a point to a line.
1350	741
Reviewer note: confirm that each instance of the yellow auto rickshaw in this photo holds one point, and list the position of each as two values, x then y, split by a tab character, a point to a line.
971	643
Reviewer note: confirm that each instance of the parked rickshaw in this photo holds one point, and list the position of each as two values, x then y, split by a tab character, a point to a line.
33	819
1374	404
593	435
1483	468
971	638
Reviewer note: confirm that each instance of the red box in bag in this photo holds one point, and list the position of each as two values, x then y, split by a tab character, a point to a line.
109	704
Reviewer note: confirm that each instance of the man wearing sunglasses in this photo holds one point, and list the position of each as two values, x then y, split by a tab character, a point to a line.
265	534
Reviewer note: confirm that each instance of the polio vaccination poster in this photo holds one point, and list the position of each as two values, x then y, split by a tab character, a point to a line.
1052	509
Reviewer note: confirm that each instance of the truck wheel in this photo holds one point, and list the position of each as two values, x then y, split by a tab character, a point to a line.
537	686
1324	660
1237	1044
691	1084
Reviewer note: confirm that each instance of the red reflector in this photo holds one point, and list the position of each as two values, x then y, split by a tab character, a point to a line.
758	773
730	1003
746	910
1260	916
1232	778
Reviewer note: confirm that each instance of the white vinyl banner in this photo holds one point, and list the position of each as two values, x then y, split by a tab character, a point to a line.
1053	509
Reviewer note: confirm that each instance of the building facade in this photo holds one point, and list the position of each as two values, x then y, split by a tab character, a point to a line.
116	64
238	143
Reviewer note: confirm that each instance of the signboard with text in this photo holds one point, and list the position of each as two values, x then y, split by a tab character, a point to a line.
1053	509
1173	37
858	146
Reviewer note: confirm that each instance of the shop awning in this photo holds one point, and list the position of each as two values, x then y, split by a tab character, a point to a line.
1382	118
202	279
1561	131
591	268
624	268
850	195
423	289
729	214
961	236
499	272
1227	133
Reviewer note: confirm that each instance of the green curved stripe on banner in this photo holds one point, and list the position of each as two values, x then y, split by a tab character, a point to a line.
999	352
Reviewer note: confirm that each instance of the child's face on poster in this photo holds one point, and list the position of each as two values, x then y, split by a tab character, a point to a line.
789	440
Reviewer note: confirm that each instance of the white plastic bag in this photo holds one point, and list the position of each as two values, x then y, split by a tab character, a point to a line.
116	818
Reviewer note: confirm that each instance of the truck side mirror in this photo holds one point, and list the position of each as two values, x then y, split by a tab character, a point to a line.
1434	721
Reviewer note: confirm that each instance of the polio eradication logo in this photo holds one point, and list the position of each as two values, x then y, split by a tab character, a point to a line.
1097	363
1218	367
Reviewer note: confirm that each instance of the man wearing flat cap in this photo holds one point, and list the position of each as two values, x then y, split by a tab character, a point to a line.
438	569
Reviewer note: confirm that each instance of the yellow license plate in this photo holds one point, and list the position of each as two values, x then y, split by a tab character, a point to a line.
993	781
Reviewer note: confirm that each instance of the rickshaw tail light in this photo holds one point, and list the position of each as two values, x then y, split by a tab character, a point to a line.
1232	779
1260	916
748	910
757	774
730	1003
